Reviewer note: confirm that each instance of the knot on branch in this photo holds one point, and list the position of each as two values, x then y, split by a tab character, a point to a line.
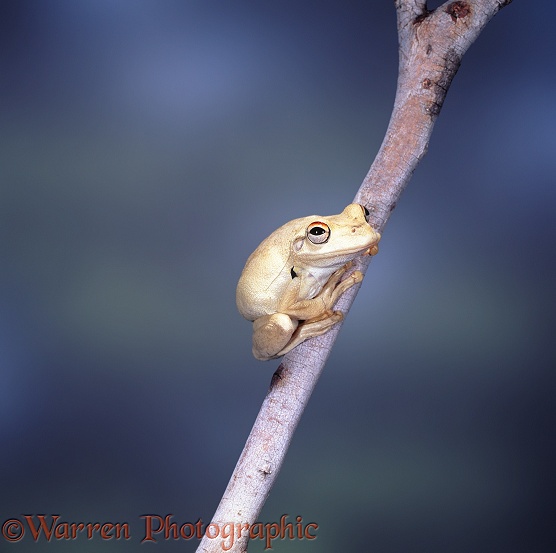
421	17
278	376
458	10
439	83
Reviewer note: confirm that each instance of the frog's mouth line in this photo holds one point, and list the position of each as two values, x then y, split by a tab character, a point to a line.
346	256
367	250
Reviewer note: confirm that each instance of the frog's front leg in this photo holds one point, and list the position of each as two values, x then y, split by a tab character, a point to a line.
333	288
320	306
274	335
271	333
326	319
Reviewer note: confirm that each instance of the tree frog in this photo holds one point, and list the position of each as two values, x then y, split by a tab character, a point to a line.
291	282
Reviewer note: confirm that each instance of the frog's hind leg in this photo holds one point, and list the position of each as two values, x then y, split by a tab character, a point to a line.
309	329
270	334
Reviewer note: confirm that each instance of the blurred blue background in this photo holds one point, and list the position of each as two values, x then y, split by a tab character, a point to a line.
146	148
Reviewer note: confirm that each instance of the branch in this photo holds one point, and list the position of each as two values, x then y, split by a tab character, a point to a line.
431	46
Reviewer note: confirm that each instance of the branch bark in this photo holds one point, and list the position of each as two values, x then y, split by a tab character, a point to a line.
431	46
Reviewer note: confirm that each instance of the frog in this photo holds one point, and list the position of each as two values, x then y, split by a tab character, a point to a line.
293	279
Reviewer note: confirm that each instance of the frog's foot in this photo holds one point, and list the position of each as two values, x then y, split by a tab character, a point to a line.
334	288
336	276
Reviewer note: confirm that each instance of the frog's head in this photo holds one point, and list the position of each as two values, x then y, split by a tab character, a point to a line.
336	239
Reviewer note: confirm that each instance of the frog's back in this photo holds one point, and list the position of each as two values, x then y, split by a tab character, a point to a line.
266	272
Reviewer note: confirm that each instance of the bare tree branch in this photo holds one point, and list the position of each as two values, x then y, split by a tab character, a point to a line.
431	46
408	11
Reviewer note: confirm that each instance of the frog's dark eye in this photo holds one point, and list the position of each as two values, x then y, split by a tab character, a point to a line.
318	233
366	211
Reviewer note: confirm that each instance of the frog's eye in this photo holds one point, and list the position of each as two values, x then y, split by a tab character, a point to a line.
366	212
318	233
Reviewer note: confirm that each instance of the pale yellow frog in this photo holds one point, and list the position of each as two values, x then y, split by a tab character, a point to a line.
291	282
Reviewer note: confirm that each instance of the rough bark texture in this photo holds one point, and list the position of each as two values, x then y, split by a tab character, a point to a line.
431	45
